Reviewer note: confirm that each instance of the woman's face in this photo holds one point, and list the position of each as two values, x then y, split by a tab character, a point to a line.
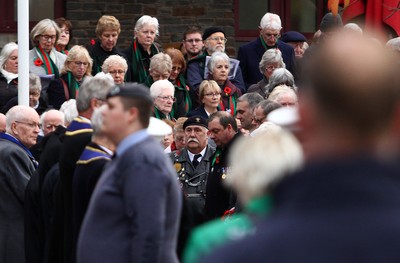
164	101
176	70
269	69
220	71
11	64
47	39
211	98
63	40
117	72
78	67
146	35
108	39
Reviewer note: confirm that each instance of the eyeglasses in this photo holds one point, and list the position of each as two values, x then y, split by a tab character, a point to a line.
272	35
271	68
218	39
115	72
80	63
31	125
165	98
47	37
210	95
195	40
34	93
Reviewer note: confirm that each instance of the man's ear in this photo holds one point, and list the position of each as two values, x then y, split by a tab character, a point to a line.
133	114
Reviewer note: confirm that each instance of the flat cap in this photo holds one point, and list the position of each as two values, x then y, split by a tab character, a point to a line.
131	90
195	120
293	36
211	30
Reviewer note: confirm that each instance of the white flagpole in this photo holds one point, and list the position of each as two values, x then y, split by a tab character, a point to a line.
23	52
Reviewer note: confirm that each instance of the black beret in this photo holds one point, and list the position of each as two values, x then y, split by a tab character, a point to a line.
293	36
195	120
131	90
330	22
211	30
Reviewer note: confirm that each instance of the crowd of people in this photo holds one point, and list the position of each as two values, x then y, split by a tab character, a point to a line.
287	153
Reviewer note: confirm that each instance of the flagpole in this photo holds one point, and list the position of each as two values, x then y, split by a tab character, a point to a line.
23	52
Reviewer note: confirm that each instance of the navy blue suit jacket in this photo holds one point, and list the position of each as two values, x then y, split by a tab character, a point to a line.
250	56
335	211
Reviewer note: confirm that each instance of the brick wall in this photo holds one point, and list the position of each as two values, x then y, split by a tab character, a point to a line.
173	17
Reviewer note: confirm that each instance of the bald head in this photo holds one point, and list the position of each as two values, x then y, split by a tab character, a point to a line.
22	122
50	120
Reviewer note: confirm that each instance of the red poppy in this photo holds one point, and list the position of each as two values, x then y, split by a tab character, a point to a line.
92	42
38	62
217	159
227	90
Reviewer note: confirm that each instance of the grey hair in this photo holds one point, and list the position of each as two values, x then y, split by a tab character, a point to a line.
41	27
114	60
267	106
252	99
97	120
95	87
161	62
34	83
280	76
69	110
280	90
394	44
272	55
216	57
157	87
259	162
43	116
149	21
6	53
271	21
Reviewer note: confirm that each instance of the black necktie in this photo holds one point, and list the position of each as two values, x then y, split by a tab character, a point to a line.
195	161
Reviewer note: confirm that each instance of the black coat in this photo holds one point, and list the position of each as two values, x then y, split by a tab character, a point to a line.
338	210
7	90
219	198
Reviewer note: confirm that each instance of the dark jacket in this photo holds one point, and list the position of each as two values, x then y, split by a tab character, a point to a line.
219	198
98	54
250	56
338	210
7	90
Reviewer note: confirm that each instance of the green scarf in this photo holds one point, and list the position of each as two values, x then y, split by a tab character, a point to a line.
139	71
47	63
73	86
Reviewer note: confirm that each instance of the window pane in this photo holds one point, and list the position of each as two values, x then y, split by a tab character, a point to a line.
38	9
251	12
303	15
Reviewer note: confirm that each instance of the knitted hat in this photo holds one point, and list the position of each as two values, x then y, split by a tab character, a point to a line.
293	36
330	22
211	30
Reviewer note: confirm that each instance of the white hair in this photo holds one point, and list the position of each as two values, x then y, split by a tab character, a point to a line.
157	87
271	21
152	21
394	44
257	163
69	110
43	116
6	53
353	27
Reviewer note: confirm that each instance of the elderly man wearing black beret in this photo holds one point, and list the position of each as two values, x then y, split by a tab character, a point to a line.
214	40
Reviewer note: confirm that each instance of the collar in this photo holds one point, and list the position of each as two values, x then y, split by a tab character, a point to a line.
131	140
202	153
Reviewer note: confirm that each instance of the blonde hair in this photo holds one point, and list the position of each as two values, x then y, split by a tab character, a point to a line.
212	84
77	53
107	23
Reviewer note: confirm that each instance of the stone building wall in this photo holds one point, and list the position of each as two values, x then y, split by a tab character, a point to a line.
173	16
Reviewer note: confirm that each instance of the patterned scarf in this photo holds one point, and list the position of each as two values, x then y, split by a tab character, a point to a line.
181	85
48	64
231	93
139	70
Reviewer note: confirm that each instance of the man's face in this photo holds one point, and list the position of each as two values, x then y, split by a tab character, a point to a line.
27	129
218	133
258	117
196	138
215	42
298	48
51	121
193	44
115	120
270	36
179	139
244	114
